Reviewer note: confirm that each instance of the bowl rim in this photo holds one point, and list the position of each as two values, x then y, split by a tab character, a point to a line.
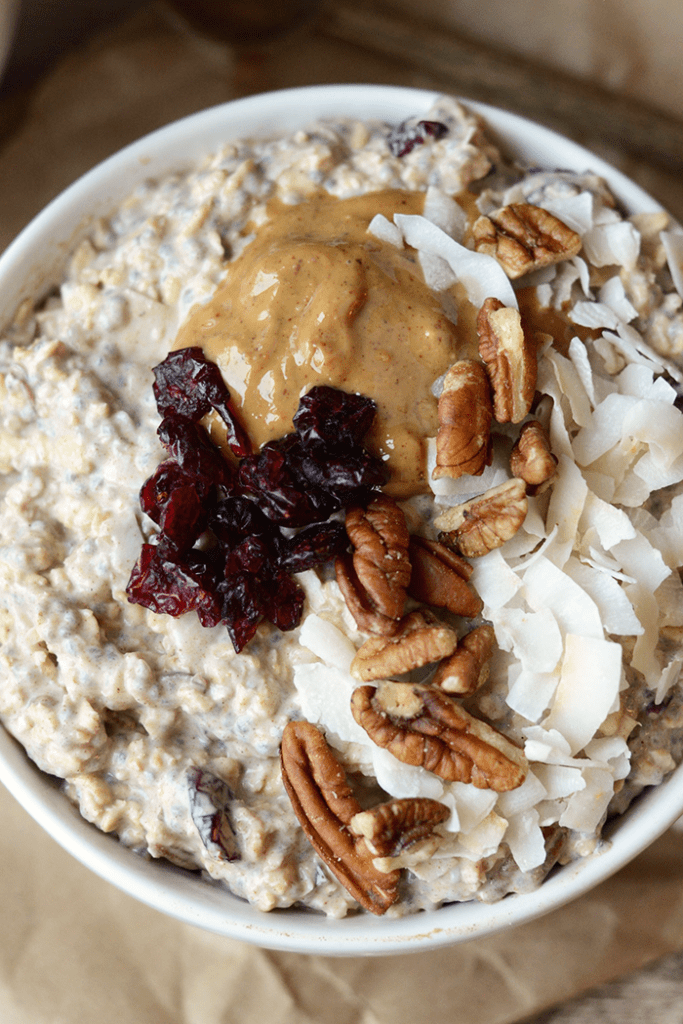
185	895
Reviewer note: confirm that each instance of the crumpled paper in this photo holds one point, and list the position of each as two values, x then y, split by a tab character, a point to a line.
74	948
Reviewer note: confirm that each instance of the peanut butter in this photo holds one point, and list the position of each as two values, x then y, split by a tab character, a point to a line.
315	299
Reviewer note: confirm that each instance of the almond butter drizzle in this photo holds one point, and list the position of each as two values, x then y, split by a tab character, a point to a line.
315	299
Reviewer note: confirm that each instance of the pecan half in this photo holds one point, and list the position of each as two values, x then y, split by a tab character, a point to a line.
439	578
510	358
395	826
325	805
463	441
379	534
421	726
523	237
531	458
467	668
366	616
421	640
484	523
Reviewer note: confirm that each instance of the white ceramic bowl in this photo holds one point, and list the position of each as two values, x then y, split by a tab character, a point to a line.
28	268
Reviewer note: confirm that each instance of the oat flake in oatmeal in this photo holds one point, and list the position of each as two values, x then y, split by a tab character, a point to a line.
528	685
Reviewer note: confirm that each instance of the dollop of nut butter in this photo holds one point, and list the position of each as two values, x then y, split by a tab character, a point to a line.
315	299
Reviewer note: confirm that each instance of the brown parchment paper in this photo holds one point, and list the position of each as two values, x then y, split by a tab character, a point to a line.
72	948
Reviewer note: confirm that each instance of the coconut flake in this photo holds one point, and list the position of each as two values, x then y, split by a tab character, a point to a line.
572	386
482	275
673	247
546	586
565	508
575	211
605	429
586	809
559	780
436	272
448	490
616	611
325	697
614	244
644	658
385	231
612	524
595	315
588	687
525	840
445	212
523	798
533	637
494	580
327	642
613	295
403	780
670	675
579	357
531	693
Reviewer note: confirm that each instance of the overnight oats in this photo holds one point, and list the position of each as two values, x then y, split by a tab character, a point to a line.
342	517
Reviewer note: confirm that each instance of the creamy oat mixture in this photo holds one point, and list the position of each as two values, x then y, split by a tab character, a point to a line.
584	598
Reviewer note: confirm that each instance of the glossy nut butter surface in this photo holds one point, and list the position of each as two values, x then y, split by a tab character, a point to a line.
315	299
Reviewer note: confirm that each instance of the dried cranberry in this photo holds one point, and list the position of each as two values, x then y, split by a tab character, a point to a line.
187	384
156	491
313	546
241	607
333	417
189	445
283	602
271	476
236	517
168	587
253	554
210	798
183	519
344	475
406	136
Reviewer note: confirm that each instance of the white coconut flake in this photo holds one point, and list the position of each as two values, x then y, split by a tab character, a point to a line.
526	840
596	315
613	295
586	809
325	695
614	244
559	780
436	272
670	675
445	212
612	524
451	491
565	508
579	357
588	687
494	580
327	642
482	841
482	275
385	231
533	637
572	387
523	798
546	586
673	247
531	692
616	611
640	560
584	275
403	780
644	658
576	211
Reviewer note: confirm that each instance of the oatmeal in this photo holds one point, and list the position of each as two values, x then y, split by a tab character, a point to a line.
481	663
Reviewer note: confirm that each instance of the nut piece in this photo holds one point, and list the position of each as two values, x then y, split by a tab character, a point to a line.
367	618
421	726
325	805
531	458
380	537
467	668
484	523
439	578
523	237
463	441
420	641
393	827
510	358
